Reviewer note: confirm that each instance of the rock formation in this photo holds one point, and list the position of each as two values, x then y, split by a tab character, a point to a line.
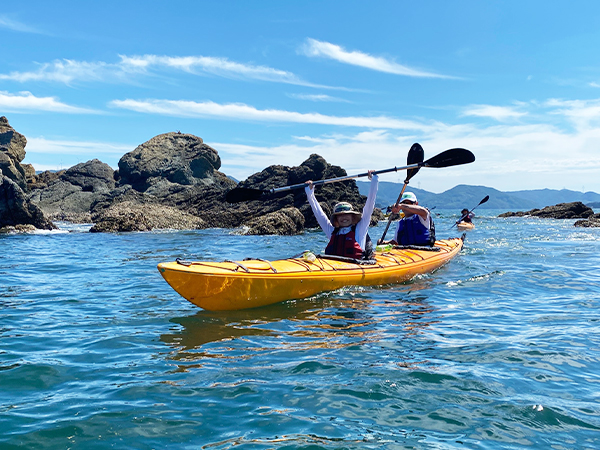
132	216
171	181
591	222
573	210
70	196
16	210
12	152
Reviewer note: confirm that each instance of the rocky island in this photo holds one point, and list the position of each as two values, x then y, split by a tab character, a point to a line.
171	181
573	210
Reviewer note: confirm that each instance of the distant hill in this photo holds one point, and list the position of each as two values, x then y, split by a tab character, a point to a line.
466	196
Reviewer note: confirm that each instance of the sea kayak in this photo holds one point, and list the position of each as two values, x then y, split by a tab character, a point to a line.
465	226
232	285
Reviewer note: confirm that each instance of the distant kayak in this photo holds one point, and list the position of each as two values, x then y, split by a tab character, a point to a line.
465	226
233	285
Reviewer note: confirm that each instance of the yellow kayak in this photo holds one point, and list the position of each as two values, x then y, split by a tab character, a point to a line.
232	285
465	226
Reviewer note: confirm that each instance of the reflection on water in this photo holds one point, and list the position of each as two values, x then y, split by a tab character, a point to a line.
327	321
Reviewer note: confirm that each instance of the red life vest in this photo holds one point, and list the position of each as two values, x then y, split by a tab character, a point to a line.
344	244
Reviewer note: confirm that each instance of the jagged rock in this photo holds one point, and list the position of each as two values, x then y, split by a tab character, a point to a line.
17	229
91	176
288	221
591	222
131	216
12	152
179	158
71	195
15	209
314	168
42	180
573	210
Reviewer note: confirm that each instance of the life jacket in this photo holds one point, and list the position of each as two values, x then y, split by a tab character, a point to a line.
411	231
346	245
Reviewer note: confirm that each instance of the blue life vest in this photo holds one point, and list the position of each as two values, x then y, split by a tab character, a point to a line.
411	231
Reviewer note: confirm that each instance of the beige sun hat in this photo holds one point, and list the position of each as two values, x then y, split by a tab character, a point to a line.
345	208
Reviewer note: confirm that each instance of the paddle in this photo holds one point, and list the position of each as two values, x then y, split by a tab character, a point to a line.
415	155
485	199
451	157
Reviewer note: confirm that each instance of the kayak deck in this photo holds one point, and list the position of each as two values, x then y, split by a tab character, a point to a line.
465	226
232	285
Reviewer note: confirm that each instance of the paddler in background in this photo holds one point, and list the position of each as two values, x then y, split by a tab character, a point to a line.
466	216
416	227
347	229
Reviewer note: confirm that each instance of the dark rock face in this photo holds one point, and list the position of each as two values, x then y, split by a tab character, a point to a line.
175	157
12	152
314	168
92	176
42	180
71	194
16	210
574	210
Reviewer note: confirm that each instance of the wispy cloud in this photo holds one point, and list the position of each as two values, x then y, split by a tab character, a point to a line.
314	48
318	98
27	102
88	148
240	111
15	25
500	113
583	114
69	71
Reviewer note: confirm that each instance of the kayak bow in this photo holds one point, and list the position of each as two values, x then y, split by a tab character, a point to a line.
233	285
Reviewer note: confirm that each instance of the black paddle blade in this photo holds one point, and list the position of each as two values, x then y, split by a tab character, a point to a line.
415	156
240	194
485	199
452	157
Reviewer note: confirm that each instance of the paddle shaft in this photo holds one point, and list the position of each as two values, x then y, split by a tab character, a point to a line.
347	177
387	227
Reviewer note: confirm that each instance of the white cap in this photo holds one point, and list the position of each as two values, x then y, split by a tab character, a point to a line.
409	196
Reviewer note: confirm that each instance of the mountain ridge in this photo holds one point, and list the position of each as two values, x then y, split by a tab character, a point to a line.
468	196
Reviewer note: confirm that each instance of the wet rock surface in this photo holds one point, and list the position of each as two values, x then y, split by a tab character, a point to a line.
573	210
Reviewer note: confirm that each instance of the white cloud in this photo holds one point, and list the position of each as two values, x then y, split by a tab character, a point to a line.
69	71
318	98
15	25
240	111
27	102
500	113
58	154
583	114
314	48
63	146
508	157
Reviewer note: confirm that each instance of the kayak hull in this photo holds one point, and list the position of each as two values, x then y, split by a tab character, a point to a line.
465	226
233	285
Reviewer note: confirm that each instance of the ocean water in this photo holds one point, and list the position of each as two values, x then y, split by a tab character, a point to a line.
499	349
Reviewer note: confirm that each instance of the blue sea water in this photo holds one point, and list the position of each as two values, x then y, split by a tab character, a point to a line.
499	349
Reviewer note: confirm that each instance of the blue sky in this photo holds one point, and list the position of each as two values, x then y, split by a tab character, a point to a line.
271	82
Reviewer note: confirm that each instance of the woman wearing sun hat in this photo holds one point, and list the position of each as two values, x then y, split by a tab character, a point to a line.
416	227
347	229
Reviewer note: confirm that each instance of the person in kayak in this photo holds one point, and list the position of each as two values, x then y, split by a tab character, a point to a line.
416	227
347	229
466	216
